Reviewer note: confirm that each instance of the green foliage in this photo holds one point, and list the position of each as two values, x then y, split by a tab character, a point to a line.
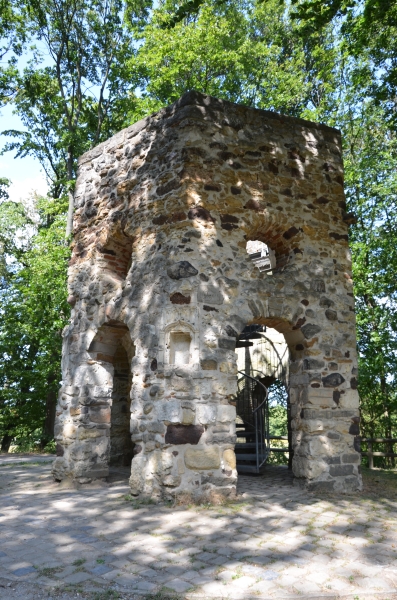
4	185
75	89
278	397
371	162
240	51
32	315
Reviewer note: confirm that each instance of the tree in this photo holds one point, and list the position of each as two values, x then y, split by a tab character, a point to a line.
371	162
81	97
32	315
367	27
245	52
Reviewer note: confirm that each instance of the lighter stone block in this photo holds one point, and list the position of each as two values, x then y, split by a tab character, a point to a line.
202	458
206	413
169	411
226	413
230	458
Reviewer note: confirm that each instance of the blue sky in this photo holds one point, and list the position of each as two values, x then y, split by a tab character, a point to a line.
25	173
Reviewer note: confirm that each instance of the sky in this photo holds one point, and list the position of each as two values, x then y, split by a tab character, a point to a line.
25	173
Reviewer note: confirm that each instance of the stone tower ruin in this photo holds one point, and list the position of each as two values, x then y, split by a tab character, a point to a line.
161	286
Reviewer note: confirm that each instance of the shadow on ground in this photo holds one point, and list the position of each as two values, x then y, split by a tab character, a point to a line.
274	541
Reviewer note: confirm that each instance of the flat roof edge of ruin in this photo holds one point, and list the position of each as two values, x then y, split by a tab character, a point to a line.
194	98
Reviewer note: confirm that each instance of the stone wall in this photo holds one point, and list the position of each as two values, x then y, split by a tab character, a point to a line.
164	210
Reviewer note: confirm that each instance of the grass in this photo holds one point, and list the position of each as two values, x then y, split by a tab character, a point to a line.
23	464
79	562
49	571
164	594
107	595
137	503
379	483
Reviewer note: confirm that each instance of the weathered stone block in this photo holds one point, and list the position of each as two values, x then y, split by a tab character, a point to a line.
230	458
353	457
204	458
206	413
310	330
341	470
181	270
208	364
227	343
99	415
311	364
209	294
188	416
169	411
226	413
320	397
333	380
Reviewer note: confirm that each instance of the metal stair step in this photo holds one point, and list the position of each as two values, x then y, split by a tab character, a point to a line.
247	469
245	445
245	457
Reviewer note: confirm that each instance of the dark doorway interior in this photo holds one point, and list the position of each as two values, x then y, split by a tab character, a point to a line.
121	446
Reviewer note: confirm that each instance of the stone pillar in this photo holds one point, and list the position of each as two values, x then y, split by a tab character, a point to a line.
164	211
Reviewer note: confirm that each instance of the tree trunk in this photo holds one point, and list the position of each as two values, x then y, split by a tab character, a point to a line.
289	433
6	442
50	409
388	426
69	223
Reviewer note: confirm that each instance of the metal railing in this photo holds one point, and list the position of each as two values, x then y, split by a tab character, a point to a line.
253	409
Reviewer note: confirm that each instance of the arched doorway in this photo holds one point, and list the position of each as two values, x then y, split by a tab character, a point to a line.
112	350
262	404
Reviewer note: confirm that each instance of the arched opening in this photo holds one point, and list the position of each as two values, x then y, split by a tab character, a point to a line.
263	257
113	349
262	403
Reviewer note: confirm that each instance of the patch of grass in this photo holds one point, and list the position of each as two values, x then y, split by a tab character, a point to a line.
23	464
137	503
100	561
164	594
380	483
106	595
79	562
49	571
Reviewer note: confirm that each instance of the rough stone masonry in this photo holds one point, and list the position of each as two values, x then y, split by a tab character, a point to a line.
161	285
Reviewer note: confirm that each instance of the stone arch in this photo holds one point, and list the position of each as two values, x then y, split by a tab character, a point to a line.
277	232
113	253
